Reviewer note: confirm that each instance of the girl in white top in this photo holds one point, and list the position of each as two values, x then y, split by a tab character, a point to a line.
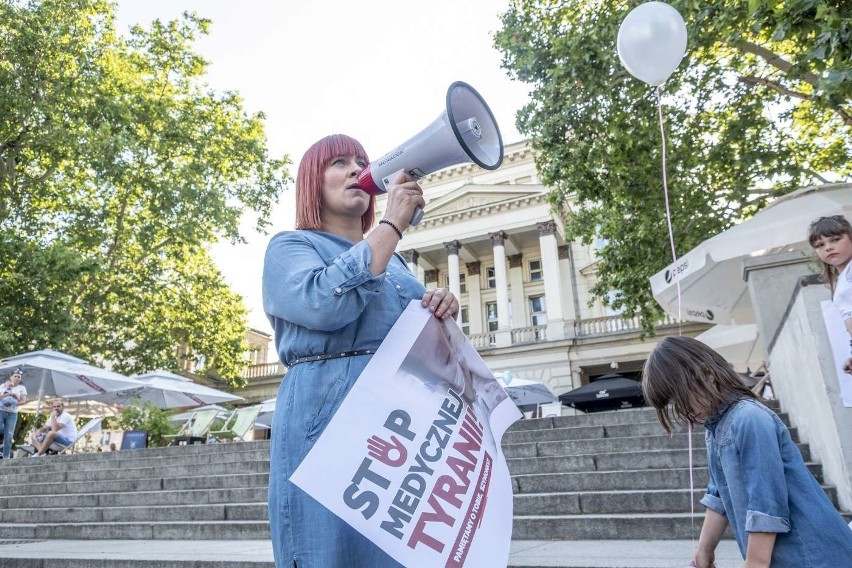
831	238
12	394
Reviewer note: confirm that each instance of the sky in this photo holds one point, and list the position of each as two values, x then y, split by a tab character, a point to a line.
377	70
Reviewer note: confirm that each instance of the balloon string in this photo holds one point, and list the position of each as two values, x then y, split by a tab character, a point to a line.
691	486
658	93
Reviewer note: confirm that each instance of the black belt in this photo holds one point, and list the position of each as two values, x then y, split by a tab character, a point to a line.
331	356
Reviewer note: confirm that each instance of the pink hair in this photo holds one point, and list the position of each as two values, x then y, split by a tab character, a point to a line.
311	174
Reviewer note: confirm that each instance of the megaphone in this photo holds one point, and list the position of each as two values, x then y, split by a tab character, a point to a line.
465	132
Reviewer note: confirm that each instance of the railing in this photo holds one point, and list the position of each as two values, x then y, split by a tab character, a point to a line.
263	370
603	326
531	334
615	324
484	340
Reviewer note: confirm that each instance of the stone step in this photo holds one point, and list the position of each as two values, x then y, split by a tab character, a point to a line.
187	530
134	498
51	464
660	459
168	451
209	512
639	526
623	480
629	416
77	562
96	476
585	433
611	445
640	429
617	502
202	481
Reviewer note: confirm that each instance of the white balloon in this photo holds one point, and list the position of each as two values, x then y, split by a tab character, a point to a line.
652	42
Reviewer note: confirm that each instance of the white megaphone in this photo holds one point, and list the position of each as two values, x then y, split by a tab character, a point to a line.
465	132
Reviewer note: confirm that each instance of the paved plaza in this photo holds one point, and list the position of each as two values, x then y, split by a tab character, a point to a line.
210	554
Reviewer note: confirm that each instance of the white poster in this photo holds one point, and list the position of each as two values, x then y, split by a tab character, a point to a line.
839	339
412	457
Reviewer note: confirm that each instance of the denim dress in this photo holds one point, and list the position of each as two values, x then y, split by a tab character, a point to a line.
759	480
321	298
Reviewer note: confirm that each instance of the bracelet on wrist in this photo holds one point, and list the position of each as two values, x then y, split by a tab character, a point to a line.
392	226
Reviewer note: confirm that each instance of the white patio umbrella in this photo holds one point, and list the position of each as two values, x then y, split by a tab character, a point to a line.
168	390
267	410
711	281
740	345
182	417
54	373
524	392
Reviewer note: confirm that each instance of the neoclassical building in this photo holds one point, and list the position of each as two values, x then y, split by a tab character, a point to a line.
491	238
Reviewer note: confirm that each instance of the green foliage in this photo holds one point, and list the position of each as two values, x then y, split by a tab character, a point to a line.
147	417
118	168
761	104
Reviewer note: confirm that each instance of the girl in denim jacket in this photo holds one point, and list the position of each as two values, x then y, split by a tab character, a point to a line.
759	484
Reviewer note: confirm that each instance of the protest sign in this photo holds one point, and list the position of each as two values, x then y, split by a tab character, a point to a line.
412	457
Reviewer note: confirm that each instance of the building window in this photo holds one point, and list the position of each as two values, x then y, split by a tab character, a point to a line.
535	271
465	320
490	278
491	316
610	298
462	284
538	311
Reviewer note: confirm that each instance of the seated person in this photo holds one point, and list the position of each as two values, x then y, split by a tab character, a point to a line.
60	428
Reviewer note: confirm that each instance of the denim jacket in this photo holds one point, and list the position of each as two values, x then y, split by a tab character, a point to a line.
759	481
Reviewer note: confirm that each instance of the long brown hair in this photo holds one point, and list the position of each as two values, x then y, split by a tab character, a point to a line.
686	381
309	180
824	227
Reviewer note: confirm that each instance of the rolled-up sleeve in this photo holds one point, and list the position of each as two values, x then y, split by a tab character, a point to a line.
321	294
711	499
759	448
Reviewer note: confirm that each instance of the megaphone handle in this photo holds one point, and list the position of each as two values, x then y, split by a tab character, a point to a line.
416	217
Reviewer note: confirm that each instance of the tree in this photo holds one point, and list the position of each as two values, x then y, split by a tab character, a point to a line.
145	416
760	105
118	168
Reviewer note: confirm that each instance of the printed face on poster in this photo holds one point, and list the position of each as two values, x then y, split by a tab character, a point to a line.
412	457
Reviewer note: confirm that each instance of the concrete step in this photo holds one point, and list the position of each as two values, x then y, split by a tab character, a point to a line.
660	459
612	445
58	464
187	530
640	526
201	481
214	512
624	480
144	453
617	502
135	498
178	469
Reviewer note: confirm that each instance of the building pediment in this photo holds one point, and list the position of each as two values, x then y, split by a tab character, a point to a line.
471	196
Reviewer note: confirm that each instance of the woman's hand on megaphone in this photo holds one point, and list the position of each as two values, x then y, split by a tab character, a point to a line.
404	196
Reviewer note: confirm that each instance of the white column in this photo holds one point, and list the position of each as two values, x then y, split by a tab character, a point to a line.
474	297
501	281
516	291
453	267
552	279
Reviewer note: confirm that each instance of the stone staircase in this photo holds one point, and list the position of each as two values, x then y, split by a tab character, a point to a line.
198	492
612	475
